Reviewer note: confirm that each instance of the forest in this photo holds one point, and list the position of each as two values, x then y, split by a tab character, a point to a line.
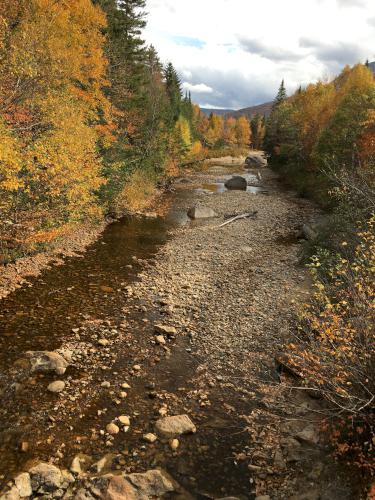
322	142
90	120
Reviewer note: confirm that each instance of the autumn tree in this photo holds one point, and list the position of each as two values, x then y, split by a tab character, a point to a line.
51	103
230	131
243	131
258	130
215	130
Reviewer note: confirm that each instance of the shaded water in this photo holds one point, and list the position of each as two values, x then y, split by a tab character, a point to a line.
37	316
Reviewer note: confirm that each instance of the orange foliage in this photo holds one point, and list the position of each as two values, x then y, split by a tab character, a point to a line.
52	72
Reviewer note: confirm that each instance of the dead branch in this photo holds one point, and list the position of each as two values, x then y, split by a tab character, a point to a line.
246	215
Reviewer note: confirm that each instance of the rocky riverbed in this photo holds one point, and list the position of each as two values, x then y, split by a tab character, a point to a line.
172	390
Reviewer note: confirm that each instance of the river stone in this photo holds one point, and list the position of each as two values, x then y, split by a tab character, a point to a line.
229	498
45	361
47	478
119	489
308	435
12	494
256	161
150	438
171	427
160	339
124	420
83	494
23	484
310	232
57	386
165	329
201	212
112	429
105	464
236	183
153	483
80	463
174	444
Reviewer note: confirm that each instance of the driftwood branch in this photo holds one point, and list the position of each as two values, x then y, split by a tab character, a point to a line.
246	215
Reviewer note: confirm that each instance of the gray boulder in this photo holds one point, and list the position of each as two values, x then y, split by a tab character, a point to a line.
153	483
12	494
256	161
236	183
171	427
150	484
23	484
201	212
45	361
46	478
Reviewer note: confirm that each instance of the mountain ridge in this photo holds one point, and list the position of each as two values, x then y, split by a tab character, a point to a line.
261	109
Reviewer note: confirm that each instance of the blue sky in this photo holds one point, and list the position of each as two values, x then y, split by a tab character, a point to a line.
234	53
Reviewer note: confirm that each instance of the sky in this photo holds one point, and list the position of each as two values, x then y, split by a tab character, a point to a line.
234	53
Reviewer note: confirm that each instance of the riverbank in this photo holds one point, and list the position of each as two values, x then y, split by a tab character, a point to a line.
193	330
16	274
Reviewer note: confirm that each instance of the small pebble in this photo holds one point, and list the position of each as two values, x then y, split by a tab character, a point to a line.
112	428
149	438
124	420
174	444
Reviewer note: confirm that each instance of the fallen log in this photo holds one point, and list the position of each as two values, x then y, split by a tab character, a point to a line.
246	215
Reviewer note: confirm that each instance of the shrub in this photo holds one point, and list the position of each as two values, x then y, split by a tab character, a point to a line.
335	353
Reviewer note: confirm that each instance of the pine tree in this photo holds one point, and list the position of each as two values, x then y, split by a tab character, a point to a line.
174	91
281	95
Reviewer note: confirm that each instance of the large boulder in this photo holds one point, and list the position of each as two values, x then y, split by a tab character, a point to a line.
153	483
45	361
23	484
46	478
201	212
150	484
236	183
171	427
255	161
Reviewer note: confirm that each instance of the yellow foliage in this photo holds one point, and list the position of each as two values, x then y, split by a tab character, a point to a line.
243	131
137	193
10	161
197	150
52	72
230	132
183	128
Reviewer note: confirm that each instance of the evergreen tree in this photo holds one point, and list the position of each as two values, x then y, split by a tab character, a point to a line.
281	95
174	91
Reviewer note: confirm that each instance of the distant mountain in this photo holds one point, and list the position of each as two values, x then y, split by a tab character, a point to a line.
208	111
260	109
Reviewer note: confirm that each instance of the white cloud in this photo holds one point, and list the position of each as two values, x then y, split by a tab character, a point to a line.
199	88
242	49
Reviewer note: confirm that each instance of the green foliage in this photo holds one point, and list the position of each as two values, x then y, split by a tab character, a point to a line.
281	96
174	91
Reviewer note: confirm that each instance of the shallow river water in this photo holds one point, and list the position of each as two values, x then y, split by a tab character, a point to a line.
43	313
